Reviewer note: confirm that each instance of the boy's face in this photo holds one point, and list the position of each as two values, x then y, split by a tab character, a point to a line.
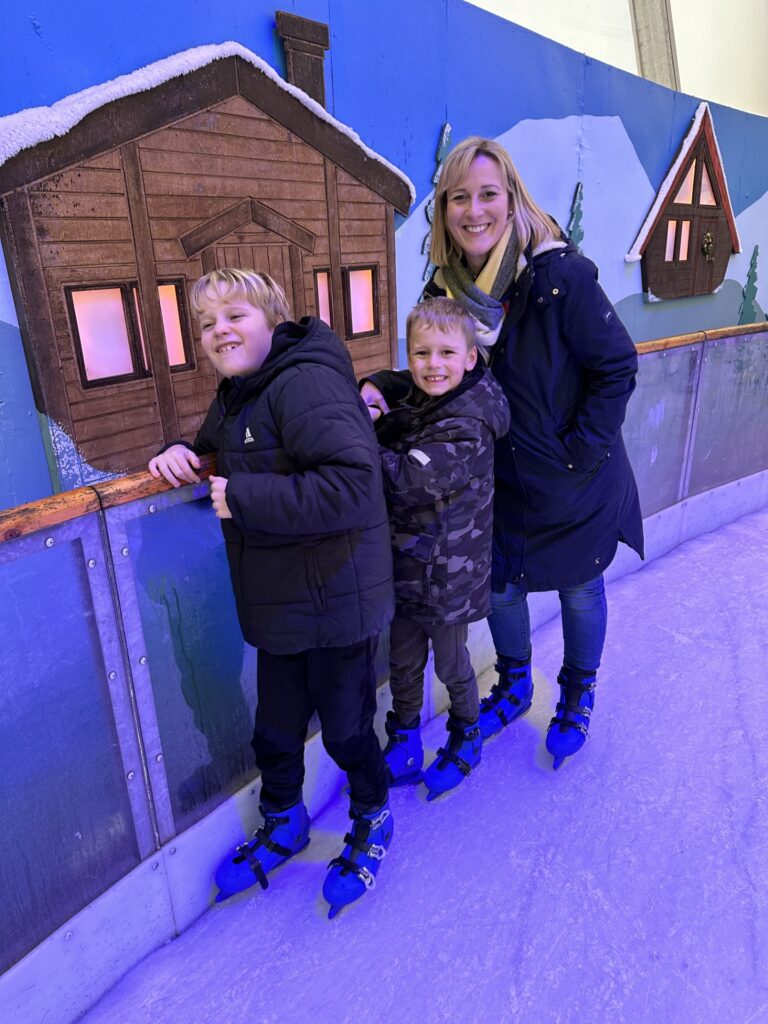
234	334
438	360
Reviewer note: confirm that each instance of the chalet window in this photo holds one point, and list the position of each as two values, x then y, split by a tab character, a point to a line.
109	338
323	296
105	327
361	300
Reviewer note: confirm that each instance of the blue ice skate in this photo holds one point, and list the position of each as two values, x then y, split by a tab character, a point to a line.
454	762
403	754
283	834
354	871
509	699
569	729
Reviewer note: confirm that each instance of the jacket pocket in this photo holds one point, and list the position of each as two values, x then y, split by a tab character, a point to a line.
413	556
315	582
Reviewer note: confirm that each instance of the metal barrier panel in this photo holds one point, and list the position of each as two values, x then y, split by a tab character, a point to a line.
730	439
196	677
67	739
658	423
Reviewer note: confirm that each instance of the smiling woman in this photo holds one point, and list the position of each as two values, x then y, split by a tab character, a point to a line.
565	491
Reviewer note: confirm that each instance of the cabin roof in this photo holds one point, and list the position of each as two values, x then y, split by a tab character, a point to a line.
702	124
39	141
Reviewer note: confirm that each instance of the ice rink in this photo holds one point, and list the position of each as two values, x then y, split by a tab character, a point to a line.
629	887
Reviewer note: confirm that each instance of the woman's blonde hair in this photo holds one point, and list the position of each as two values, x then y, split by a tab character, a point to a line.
531	222
260	291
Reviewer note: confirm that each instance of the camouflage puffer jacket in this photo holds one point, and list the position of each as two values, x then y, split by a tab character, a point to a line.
437	464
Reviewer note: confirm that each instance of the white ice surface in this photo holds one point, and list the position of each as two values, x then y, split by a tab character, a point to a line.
629	887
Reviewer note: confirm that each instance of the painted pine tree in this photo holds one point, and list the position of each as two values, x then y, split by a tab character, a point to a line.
748	312
574	230
443	145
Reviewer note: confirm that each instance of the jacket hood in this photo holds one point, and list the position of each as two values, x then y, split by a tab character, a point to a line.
308	341
478	396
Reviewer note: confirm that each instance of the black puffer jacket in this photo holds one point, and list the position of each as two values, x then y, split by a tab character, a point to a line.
308	542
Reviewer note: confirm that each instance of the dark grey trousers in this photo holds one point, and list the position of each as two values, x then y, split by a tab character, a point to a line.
408	646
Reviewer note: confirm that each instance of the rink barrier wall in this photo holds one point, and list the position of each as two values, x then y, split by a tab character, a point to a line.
125	730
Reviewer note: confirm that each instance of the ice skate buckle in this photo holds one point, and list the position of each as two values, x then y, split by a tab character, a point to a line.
366	877
376	851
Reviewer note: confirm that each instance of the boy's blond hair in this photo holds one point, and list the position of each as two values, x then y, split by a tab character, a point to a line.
260	291
446	315
531	222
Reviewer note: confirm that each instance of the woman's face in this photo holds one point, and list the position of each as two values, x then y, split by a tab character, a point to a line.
477	211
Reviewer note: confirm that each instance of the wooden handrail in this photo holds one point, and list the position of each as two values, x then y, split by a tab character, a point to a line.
61	508
679	340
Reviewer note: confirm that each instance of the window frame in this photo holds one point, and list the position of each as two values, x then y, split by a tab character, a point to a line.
347	295
134	337
327	272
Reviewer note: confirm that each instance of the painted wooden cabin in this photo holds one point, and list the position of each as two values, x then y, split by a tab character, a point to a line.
106	227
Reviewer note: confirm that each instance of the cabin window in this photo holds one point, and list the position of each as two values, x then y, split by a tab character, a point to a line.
323	296
361	300
106	333
109	335
706	194
685	192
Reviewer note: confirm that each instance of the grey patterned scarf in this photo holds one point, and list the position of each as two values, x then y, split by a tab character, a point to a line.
485	307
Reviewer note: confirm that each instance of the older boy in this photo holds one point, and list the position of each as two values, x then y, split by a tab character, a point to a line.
437	461
305	525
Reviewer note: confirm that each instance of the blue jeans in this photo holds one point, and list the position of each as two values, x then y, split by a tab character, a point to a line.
584	615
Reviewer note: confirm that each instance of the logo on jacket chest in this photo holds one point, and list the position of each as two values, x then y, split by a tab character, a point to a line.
248	439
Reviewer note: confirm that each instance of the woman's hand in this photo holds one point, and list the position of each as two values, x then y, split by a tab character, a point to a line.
373	398
177	465
219	496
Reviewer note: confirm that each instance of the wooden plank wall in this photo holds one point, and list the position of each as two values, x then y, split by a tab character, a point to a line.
363	237
84	235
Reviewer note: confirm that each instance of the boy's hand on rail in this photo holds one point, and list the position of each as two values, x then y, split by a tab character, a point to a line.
177	465
219	496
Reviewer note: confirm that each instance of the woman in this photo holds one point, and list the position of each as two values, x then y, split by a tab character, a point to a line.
565	492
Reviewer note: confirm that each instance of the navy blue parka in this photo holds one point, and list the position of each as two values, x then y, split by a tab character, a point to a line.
565	491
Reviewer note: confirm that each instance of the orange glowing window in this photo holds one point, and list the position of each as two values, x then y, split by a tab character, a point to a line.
174	338
706	195
109	333
669	251
323	295
106	344
685	192
361	300
685	231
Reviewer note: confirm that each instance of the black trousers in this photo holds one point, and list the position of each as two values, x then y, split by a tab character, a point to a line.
340	684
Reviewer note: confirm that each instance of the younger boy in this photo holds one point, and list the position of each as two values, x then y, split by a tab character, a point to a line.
300	497
437	461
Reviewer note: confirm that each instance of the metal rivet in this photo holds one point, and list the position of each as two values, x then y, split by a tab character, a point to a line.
597	561
49	542
68	935
172	850
155	866
555	291
540	299
159	758
131	776
112	675
153	508
124	552
570	465
91	563
143	659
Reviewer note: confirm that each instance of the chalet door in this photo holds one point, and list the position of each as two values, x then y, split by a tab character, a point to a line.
706	238
267	259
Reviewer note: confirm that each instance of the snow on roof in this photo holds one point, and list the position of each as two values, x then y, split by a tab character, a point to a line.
27	128
636	252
